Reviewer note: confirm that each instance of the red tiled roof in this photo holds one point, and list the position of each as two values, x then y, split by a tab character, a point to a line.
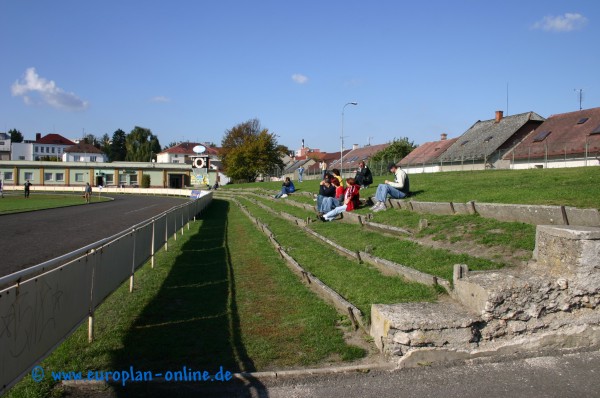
428	152
82	147
54	139
186	148
561	135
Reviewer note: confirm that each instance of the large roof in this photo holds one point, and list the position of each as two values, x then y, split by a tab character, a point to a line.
563	134
485	137
54	139
186	148
82	147
428	152
355	156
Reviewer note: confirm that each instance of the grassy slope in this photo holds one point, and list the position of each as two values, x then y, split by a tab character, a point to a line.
578	187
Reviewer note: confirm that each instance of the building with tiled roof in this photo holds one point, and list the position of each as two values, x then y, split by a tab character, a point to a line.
183	153
565	140
50	146
83	152
485	143
426	157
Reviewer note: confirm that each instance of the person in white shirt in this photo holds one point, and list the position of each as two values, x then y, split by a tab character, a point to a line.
397	189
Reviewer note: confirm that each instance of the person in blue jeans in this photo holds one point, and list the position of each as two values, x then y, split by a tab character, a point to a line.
286	188
300	173
397	189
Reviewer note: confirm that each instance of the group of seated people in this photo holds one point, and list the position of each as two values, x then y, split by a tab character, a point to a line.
333	199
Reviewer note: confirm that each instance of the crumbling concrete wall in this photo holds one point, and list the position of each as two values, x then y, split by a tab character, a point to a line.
553	299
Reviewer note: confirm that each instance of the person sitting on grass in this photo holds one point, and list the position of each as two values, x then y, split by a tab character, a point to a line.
397	189
326	190
330	203
286	188
336	174
363	176
351	201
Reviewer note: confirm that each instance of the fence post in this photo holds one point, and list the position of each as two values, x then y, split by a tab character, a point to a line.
175	226
166	231
91	311
152	247
181	222
132	263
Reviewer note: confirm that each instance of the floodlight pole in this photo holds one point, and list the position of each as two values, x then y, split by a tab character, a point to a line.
342	138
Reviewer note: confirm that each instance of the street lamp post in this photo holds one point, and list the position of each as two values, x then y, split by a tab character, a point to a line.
342	138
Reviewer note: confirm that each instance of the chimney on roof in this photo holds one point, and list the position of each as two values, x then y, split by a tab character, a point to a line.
354	146
38	136
499	115
443	137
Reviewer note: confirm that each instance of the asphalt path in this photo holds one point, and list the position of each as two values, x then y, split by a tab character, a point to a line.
34	237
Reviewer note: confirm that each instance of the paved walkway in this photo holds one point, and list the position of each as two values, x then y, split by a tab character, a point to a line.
31	238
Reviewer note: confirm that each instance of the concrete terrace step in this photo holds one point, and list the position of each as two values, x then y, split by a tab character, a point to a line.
400	328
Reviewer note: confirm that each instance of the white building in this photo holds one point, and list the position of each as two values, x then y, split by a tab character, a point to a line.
83	152
21	151
4	146
50	146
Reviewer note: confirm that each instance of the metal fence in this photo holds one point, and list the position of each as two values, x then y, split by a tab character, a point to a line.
42	305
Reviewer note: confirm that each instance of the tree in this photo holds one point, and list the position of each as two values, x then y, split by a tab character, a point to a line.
118	151
172	144
248	150
92	140
141	145
105	144
396	151
15	135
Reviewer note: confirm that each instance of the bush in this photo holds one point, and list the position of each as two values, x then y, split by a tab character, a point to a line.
145	181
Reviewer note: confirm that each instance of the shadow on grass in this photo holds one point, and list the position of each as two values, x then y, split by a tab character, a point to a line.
193	321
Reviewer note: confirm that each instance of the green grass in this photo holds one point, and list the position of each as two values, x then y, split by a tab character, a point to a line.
436	262
578	186
360	284
221	296
456	228
16	203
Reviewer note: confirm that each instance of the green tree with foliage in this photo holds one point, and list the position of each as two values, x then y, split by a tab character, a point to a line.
118	151
249	150
105	145
15	136
141	145
394	152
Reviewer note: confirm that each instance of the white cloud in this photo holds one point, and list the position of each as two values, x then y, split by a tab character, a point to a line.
561	23
35	89
300	79
160	98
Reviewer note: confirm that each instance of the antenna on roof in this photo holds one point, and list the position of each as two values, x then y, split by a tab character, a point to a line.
580	96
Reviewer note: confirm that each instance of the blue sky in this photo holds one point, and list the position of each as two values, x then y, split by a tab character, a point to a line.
189	70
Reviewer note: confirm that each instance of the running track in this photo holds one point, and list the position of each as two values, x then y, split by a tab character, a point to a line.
30	238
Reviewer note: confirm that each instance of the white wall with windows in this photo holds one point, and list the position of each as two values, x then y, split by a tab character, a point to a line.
84	157
21	151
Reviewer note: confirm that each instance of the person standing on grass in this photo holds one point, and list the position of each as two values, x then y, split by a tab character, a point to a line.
300	173
1	190
27	188
323	167
351	201
87	193
397	189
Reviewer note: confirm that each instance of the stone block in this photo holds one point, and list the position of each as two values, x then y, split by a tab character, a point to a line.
443	208
537	215
583	217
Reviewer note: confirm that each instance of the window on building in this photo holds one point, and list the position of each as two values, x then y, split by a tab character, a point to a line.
35	149
53	149
76	158
122	179
58	150
488	139
28	175
175	161
21	157
464	143
133	179
78	177
41	149
92	158
1	142
47	149
8	175
596	130
109	179
541	136
48	176
60	176
582	120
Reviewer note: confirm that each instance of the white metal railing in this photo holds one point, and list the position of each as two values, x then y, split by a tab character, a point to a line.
42	305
